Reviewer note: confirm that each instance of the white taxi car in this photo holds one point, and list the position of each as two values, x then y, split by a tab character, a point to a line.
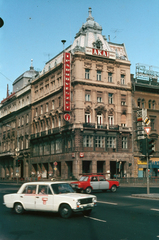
50	196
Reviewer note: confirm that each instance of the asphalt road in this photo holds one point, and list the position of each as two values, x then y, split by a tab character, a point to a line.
117	216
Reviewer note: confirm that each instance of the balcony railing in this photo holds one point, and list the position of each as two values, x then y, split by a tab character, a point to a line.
89	125
113	127
102	126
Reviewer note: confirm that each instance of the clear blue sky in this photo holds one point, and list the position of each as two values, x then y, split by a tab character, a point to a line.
33	29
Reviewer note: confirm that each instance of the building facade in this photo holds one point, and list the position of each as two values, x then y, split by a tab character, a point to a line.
145	93
15	119
89	130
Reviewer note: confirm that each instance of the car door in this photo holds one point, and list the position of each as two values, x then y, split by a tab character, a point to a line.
27	197
103	183
94	183
44	199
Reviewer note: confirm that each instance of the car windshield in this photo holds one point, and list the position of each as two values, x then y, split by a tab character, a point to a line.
83	178
60	188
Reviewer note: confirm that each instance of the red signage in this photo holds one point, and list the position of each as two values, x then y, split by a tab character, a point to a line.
81	155
55	163
67	82
99	52
67	117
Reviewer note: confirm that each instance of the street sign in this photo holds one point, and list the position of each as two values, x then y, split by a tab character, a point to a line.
147	130
140	128
140	137
140	132
55	163
147	121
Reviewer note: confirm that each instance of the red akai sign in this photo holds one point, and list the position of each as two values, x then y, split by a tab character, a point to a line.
67	82
99	52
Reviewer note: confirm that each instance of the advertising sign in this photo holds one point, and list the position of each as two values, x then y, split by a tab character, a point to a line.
67	82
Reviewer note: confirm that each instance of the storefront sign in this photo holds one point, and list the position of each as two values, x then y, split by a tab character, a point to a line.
67	82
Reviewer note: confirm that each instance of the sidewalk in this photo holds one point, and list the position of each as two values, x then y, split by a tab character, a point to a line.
147	196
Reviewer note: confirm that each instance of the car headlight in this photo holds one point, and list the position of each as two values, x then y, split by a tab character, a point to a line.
95	200
78	203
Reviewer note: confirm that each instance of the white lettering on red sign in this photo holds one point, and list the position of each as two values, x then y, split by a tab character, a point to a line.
99	52
66	82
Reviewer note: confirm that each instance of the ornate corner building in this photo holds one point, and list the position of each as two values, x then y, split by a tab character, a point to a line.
81	110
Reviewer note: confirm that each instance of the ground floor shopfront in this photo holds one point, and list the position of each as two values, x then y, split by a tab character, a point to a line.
72	165
153	167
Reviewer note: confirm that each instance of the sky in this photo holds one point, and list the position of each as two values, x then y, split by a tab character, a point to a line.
33	29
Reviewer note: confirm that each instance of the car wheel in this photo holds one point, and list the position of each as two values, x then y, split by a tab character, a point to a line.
87	212
18	208
65	211
113	188
88	190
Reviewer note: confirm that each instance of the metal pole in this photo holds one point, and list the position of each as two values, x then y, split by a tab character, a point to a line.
17	156
148	183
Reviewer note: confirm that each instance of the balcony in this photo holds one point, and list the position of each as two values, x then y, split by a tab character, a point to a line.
113	127
89	125
101	126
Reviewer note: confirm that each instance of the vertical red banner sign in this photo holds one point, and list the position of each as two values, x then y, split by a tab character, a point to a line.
67	82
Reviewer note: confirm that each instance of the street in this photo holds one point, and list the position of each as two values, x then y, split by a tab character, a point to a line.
118	216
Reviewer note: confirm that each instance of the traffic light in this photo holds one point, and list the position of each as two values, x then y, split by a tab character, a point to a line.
18	162
143	146
150	146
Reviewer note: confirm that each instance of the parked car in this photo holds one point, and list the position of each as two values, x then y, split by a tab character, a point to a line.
91	182
50	196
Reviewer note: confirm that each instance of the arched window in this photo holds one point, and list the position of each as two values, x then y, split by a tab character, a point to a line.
139	102
150	104
153	104
143	103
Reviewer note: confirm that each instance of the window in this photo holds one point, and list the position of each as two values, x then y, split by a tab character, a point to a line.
36	112
123	120
27	118
110	98
124	142
153	104
53	104
100	141
87	97
122	79
139	102
52	147
99	119
41	109
87	141
150	104
22	121
58	146
99	99
99	77
143	103
152	124
110	77
110	120
53	125
46	148
111	142
87	118
123	100
47	107
86	73
27	143
59	101
19	122
59	121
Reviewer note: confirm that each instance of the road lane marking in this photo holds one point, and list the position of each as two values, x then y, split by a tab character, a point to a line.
154	209
96	219
107	203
